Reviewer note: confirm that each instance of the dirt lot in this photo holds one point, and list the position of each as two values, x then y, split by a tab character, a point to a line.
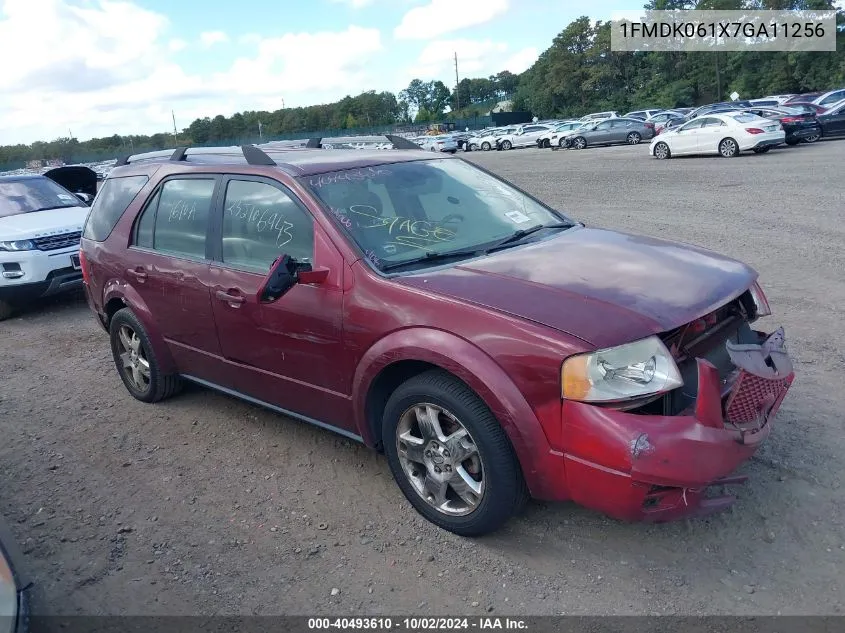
206	505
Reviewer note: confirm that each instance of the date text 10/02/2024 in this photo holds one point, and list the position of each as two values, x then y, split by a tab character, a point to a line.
418	623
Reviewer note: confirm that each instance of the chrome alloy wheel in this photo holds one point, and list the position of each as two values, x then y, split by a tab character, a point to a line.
133	358
440	459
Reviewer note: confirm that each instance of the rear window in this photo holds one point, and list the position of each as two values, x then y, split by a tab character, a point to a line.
110	204
744	118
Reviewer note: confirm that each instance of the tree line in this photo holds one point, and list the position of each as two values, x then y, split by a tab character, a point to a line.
578	73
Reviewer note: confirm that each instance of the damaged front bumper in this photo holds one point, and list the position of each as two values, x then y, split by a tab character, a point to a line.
640	467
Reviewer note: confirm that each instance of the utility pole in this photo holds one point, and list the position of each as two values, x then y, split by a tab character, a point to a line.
457	85
260	138
175	138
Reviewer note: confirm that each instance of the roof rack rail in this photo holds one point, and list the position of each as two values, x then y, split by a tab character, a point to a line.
253	155
398	142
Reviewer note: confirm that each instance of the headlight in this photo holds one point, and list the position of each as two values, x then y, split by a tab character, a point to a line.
8	597
17	245
760	301
633	370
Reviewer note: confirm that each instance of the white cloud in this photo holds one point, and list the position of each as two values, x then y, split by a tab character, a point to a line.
249	38
115	71
176	44
476	58
210	38
445	16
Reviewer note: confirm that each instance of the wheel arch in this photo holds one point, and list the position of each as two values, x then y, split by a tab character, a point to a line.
118	295
409	352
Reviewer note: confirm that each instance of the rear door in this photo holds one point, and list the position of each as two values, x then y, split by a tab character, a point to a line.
166	263
834	122
286	353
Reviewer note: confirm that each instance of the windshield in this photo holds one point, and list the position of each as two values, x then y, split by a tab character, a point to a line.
33	194
407	211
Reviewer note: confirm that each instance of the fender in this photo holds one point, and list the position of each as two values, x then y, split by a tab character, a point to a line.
480	372
117	289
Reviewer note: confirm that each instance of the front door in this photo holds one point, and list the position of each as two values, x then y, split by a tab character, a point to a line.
167	266
686	139
286	353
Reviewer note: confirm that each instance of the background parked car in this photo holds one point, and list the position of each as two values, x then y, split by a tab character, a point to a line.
487	140
609	132
553	137
798	125
803	106
724	134
803	97
642	115
523	136
828	99
832	122
441	143
600	116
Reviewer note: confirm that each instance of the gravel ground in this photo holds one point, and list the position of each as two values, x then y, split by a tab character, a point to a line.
206	505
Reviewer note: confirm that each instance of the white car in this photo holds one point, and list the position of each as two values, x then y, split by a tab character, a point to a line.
727	134
487	140
555	138
599	116
643	115
40	229
441	143
523	136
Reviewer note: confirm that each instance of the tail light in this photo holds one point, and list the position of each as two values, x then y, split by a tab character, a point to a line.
792	119
754	130
760	300
83	263
649	125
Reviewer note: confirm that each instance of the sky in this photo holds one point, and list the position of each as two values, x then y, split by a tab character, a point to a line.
92	68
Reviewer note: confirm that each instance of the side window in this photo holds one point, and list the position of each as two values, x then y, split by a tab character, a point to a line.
712	123
111	202
181	217
833	98
261	222
604	126
692	125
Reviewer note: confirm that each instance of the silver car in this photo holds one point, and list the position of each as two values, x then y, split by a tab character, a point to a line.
609	132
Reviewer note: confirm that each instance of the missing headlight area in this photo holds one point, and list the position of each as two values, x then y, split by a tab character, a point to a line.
708	338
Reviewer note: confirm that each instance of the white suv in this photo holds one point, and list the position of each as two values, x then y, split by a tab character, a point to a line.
40	228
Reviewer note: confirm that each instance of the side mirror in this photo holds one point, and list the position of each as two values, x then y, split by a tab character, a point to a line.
284	274
87	198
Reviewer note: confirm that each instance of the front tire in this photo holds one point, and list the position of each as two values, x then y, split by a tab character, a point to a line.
473	147
728	148
450	457
792	141
6	310
579	142
661	151
136	361
485	146
561	143
547	143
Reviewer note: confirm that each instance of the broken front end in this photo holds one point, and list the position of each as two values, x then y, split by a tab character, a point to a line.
671	454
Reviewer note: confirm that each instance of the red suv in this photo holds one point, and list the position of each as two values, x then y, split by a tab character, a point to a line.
492	347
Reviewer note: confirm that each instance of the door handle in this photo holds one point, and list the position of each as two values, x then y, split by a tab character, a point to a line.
232	299
138	272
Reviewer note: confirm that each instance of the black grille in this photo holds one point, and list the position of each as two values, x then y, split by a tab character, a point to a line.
55	242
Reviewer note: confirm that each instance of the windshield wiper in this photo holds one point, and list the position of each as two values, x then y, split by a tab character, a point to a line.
434	256
523	233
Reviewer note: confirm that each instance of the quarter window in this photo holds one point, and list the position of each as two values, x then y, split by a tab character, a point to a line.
111	202
261	222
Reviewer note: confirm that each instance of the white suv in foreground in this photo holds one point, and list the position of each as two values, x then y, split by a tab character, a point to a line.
40	228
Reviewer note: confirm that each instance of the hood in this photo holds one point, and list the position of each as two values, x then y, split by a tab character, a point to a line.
603	287
75	178
27	226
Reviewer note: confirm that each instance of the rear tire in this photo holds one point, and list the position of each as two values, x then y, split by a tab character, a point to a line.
634	138
506	145
792	141
485	146
413	457
147	384
728	148
813	138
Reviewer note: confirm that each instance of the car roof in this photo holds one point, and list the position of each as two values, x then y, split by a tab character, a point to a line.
293	161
